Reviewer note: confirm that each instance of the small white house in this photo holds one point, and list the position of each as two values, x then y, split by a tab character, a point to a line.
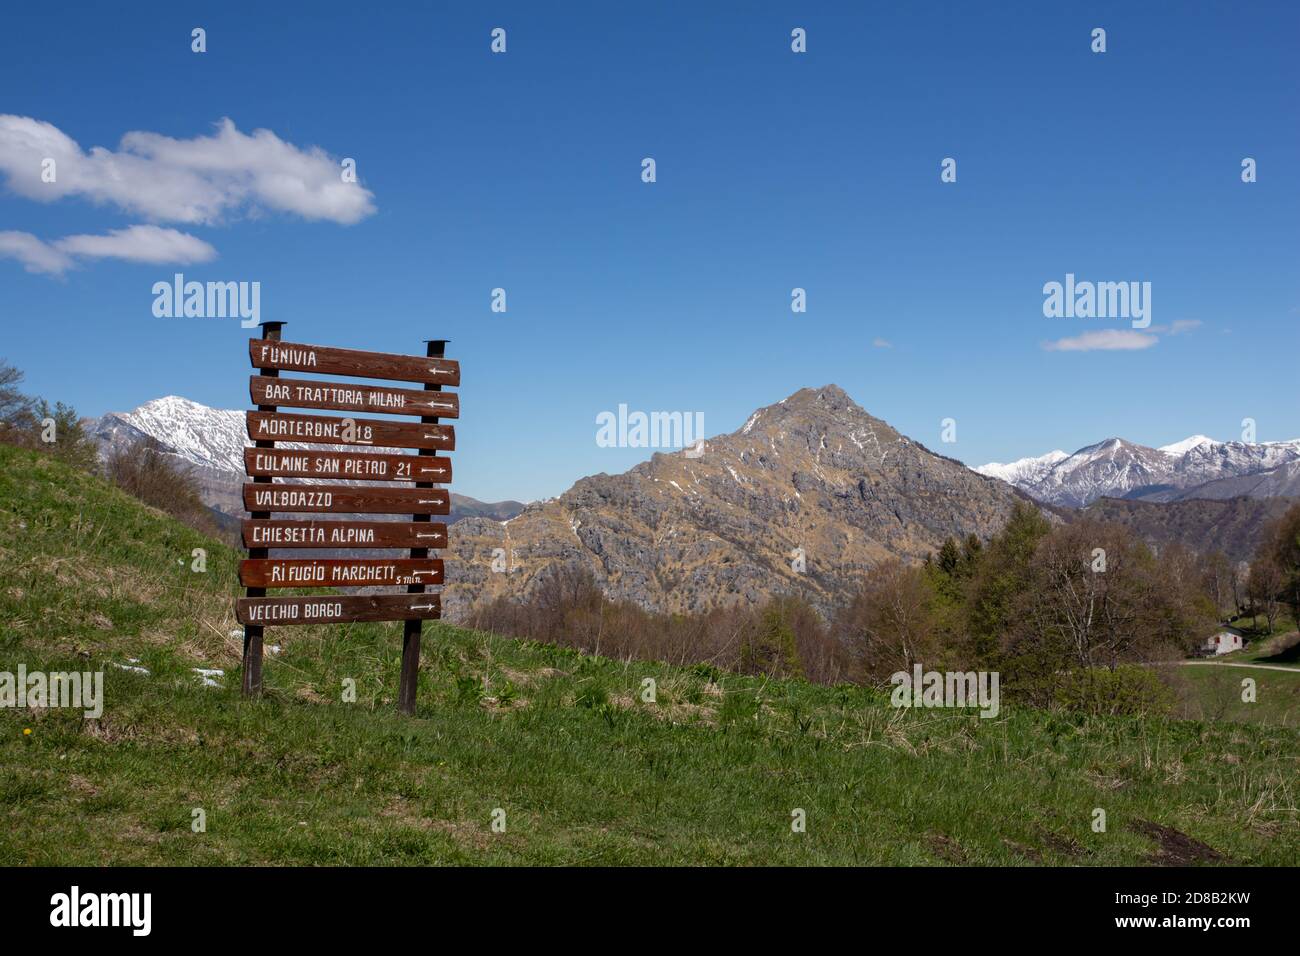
1225	642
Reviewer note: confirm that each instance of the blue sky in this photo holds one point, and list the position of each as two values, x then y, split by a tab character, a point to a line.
775	170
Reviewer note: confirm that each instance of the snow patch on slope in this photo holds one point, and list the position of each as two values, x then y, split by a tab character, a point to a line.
1180	448
1023	469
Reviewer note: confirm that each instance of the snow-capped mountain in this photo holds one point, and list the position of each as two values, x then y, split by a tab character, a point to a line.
210	443
1024	471
1113	468
1233	459
201	436
1280	482
1116	468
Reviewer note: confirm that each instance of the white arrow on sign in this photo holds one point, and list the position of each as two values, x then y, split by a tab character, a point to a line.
424	607
439	371
428	536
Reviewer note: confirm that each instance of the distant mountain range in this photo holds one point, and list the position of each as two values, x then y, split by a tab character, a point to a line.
1195	468
210	442
809	495
812	472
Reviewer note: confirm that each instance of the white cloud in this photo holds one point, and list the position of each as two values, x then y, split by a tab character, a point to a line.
202	180
150	244
1121	340
141	244
1103	340
35	255
882	343
1177	328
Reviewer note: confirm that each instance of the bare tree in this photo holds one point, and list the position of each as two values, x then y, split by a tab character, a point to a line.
1217	580
1090	592
1265	587
890	622
148	473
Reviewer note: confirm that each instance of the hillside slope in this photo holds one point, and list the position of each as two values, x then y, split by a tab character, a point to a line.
1234	526
584	770
1281	481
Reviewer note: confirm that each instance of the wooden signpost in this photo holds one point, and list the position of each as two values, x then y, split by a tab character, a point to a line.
338	572
343	534
266	425
346	499
347	465
299	393
267	493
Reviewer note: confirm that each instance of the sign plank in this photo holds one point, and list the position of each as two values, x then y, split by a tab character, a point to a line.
344	534
351	397
318	429
346	499
347	465
295	357
338	572
340	609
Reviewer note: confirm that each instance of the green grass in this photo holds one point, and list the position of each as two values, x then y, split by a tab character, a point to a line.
1216	694
584	770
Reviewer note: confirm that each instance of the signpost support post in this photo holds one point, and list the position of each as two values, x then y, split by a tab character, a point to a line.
411	629
252	667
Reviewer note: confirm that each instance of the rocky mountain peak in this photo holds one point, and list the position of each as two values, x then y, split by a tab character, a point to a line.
813	475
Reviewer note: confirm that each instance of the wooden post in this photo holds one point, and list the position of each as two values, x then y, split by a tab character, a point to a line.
411	629
252	666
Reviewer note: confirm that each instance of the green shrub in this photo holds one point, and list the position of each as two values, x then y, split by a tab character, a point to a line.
1128	690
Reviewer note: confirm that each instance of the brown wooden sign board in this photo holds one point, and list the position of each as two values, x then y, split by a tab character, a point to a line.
338	572
345	465
295	357
346	499
326	429
351	397
344	534
338	609
372	464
